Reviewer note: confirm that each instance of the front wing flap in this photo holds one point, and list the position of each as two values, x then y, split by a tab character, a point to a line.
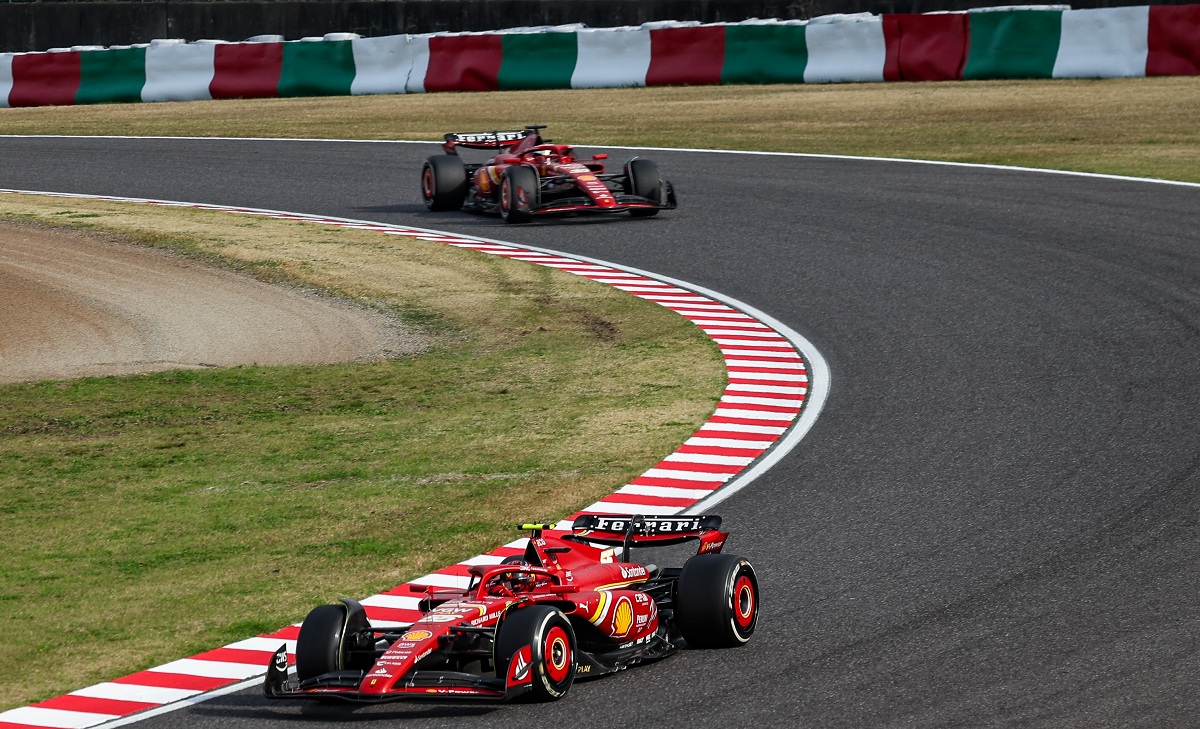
624	203
414	686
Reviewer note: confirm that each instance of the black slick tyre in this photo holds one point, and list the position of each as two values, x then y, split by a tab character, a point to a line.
444	183
644	181
326	635
716	601
518	194
548	634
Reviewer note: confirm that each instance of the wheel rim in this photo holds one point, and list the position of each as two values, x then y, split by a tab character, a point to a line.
427	183
744	603
505	197
557	655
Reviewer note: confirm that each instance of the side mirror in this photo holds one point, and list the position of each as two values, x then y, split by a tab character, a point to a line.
600	156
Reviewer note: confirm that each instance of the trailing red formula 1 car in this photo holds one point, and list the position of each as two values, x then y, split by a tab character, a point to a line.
573	605
531	177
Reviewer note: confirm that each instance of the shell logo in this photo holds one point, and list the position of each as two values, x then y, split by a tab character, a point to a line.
587	178
416	635
623	617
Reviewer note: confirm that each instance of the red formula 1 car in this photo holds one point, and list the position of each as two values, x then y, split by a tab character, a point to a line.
573	605
531	177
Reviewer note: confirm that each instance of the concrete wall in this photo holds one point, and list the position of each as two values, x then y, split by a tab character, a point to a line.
39	26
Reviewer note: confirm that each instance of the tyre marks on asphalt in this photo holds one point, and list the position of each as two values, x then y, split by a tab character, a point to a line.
764	396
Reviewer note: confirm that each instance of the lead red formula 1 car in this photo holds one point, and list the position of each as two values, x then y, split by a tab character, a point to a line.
531	177
572	605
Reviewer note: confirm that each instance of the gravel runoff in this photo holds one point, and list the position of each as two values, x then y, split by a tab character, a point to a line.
75	305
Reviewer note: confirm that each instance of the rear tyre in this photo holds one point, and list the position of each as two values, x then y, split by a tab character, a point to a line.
716	601
518	194
644	181
551	639
326	639
444	183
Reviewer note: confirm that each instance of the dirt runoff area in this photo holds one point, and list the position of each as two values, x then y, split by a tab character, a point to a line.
76	305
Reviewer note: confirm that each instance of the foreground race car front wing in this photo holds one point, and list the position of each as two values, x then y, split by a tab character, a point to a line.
415	685
624	203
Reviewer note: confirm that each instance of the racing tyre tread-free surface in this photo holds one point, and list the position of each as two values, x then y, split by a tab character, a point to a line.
716	601
444	183
319	645
325	641
518	178
644	181
552	639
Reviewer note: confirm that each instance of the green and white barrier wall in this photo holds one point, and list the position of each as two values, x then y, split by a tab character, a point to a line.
1035	42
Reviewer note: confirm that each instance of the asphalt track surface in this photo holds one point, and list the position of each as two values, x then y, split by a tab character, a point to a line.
994	520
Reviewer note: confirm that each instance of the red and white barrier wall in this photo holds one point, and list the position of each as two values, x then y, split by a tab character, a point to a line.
1029	42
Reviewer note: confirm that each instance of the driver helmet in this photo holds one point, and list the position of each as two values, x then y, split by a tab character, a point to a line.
515	582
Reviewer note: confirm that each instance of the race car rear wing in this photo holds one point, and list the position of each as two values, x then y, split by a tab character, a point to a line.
492	140
633	530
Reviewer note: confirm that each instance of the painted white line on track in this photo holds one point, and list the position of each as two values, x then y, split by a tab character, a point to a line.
397	602
132	692
666	491
211	669
616	507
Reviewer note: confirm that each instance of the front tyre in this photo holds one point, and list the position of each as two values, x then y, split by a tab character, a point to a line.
644	180
716	601
518	194
327	638
550	640
444	183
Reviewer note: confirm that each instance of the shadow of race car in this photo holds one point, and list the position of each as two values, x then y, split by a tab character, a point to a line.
530	177
573	605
